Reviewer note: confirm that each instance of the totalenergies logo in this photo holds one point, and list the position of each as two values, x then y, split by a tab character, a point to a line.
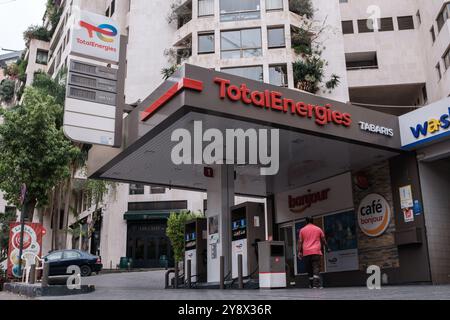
374	215
105	32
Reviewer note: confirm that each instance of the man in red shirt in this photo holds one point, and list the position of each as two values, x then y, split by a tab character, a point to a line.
311	239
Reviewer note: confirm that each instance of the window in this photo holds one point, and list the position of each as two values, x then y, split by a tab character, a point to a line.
365	26
446	59
361	60
274	5
278	75
419	17
276	38
10	210
54	256
254	73
347	27
241	43
433	34
425	94
206	43
136	189
113	8
405	23
157	190
42	57
205	8
438	71
386	24
443	16
232	10
71	255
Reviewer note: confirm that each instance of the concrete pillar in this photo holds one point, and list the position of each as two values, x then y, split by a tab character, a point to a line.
220	199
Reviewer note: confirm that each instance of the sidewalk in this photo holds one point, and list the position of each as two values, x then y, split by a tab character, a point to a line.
149	286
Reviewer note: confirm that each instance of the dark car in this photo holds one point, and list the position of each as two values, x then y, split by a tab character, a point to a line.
60	261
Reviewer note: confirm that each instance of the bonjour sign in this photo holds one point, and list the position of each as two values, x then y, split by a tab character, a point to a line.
301	203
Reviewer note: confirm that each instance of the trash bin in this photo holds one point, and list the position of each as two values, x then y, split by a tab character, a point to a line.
163	262
124	262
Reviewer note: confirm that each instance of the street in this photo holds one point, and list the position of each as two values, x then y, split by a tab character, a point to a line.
150	286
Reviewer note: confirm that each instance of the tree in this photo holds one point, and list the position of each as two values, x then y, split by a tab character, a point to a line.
5	220
7	88
175	231
33	150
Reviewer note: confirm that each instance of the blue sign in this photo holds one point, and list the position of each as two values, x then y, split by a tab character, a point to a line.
417	208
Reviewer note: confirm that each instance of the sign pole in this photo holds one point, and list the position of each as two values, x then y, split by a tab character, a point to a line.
23	193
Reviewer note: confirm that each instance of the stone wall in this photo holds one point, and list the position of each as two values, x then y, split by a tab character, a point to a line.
380	251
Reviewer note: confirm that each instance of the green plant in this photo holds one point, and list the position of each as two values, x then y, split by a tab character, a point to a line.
7	88
302	8
53	13
11	70
168	72
33	150
175	231
301	41
36	32
5	220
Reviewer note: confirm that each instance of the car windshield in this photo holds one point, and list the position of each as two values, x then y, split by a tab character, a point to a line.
71	255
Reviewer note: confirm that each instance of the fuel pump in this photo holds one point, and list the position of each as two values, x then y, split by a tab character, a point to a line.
247	229
195	236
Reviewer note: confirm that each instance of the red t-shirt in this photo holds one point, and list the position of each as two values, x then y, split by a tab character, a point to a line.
311	236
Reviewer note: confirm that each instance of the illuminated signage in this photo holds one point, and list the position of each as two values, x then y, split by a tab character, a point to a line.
275	101
373	128
426	124
374	215
303	202
95	36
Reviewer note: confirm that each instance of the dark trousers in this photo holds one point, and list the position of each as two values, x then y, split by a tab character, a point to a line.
313	264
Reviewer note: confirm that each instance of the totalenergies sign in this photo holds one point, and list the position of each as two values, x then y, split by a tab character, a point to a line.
374	215
426	124
95	36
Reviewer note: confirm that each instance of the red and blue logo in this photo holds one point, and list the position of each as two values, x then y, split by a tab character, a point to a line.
105	32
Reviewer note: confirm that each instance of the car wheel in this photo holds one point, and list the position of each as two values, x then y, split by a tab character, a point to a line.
85	271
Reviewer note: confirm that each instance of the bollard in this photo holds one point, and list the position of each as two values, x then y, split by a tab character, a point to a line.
167	285
222	273
188	272
240	280
176	276
32	276
45	275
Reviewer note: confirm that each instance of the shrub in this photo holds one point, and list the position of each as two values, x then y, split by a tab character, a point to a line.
36	32
7	88
302	8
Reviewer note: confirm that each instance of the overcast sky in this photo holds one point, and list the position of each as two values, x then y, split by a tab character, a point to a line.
15	17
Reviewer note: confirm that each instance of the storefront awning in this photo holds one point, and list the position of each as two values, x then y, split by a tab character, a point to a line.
148	215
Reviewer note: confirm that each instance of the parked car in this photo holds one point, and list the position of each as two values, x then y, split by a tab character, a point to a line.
60	261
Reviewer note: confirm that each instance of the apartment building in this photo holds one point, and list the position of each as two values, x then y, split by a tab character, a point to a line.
401	64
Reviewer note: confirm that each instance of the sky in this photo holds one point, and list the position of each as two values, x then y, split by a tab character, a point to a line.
15	17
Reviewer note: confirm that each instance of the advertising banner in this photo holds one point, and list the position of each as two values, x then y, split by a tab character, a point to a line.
32	243
340	231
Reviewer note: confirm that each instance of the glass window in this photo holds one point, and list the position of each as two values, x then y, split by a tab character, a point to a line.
446	58
276	37
205	8
41	57
206	43
71	255
232	10
278	75
140	247
254	73
136	189
347	27
54	256
151	248
157	190
405	23
241	43
274	4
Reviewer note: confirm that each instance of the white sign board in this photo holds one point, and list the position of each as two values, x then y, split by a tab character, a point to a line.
327	196
426	124
95	36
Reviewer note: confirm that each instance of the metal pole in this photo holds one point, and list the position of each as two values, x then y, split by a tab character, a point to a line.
32	276
240	280
222	273
45	274
188	272
22	230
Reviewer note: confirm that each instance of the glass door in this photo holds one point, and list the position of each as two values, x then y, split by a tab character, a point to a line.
286	235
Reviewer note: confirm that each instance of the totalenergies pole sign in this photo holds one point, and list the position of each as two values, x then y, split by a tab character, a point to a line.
32	243
95	36
374	215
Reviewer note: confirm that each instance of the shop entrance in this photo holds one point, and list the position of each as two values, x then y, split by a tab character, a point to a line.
287	235
148	246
